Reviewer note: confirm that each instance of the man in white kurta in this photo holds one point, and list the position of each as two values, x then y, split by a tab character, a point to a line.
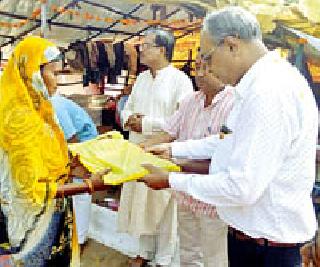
156	94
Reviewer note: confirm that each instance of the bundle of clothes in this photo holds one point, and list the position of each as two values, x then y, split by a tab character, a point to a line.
97	59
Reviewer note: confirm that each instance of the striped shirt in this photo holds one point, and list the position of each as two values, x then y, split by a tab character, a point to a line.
195	121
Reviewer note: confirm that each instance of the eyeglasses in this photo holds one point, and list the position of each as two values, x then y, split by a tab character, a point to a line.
206	57
201	68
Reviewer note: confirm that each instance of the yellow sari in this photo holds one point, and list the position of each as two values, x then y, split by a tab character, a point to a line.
28	132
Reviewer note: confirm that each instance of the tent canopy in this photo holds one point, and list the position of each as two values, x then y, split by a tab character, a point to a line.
71	20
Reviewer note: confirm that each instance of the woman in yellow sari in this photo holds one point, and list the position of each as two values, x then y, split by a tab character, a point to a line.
33	152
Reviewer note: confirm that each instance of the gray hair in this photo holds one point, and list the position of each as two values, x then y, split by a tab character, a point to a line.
164	39
232	21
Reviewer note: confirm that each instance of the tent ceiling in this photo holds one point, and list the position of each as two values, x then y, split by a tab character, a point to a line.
100	9
298	14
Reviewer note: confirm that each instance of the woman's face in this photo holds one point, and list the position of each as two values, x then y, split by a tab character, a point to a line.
49	75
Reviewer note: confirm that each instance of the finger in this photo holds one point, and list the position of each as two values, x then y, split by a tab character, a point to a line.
164	156
142	145
100	174
139	116
151	168
154	150
103	172
144	180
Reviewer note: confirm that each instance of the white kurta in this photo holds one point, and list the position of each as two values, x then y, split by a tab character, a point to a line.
142	209
156	98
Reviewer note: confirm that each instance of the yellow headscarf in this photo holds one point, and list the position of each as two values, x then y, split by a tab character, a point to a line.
30	136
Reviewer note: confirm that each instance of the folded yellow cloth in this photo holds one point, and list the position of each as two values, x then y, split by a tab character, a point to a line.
124	158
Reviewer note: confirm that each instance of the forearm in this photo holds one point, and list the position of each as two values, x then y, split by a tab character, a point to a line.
158	139
74	189
193	166
195	149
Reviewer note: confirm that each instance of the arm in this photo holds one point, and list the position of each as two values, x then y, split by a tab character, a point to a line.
129	106
195	149
201	149
73	139
151	124
170	129
65	123
90	185
157	139
260	145
193	166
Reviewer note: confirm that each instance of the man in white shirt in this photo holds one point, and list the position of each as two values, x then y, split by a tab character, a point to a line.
262	173
155	96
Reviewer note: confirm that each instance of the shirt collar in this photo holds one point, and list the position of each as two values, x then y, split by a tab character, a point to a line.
269	58
228	89
163	70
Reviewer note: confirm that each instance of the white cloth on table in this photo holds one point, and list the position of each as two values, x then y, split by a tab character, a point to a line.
261	175
82	208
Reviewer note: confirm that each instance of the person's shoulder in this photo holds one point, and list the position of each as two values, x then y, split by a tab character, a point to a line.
65	103
180	76
176	71
143	74
194	95
59	101
282	79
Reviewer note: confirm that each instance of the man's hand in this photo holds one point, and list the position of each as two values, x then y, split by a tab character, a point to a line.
310	254
136	126
157	179
147	145
98	176
161	150
134	122
129	121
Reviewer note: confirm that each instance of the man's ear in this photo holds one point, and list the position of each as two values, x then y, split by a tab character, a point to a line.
232	44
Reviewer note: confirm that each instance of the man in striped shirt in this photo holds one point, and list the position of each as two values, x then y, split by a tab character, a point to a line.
203	237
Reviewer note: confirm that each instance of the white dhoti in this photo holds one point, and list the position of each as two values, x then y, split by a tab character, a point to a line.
203	240
151	216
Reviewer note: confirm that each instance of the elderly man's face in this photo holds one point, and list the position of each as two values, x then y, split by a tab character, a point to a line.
217	59
149	51
206	82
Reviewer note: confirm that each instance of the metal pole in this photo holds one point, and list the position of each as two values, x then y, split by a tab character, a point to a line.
44	22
